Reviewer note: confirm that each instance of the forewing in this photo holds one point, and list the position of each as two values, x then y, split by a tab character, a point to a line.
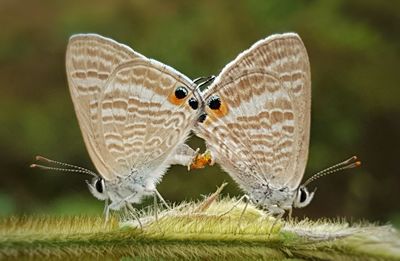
260	132
125	105
142	121
90	60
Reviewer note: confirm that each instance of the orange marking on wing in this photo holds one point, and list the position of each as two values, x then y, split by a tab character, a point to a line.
172	99
214	114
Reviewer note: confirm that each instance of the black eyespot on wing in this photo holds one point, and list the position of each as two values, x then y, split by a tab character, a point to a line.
99	185
193	103
303	195
181	92
202	118
214	103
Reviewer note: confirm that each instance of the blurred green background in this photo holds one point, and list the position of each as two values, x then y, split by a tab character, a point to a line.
354	53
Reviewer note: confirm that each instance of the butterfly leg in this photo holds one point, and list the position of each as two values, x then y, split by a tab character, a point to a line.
244	197
186	156
278	213
244	210
151	189
183	155
155	207
117	205
106	213
105	207
126	206
161	199
134	214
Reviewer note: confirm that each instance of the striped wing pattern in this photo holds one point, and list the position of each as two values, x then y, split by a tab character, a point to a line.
141	126
124	102
260	131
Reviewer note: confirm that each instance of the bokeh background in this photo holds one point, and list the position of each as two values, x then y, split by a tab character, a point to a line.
354	49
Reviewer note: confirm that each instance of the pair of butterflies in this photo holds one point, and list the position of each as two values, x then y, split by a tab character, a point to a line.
136	113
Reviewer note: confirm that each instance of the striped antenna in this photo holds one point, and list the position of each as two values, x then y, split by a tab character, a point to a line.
350	163
202	82
66	167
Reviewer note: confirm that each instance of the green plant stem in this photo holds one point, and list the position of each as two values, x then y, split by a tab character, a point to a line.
184	233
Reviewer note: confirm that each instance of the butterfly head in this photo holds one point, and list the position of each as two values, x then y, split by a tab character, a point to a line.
98	188
97	185
303	197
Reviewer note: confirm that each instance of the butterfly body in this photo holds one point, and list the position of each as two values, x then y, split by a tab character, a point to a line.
278	200
129	188
269	196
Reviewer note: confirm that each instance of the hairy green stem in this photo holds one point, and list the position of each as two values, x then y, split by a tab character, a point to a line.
195	231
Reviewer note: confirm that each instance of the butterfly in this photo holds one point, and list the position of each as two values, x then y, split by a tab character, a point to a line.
135	115
257	123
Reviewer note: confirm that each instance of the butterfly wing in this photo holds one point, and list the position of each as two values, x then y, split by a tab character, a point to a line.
259	113
125	104
142	120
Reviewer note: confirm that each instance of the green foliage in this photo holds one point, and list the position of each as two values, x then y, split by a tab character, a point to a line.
195	231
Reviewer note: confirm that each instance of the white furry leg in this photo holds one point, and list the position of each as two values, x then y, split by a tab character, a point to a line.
155	207
244	197
106	213
279	212
116	205
161	199
134	214
105	210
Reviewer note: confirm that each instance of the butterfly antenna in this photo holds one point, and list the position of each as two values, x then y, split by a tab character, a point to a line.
199	79
59	169
350	163
204	81
67	167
